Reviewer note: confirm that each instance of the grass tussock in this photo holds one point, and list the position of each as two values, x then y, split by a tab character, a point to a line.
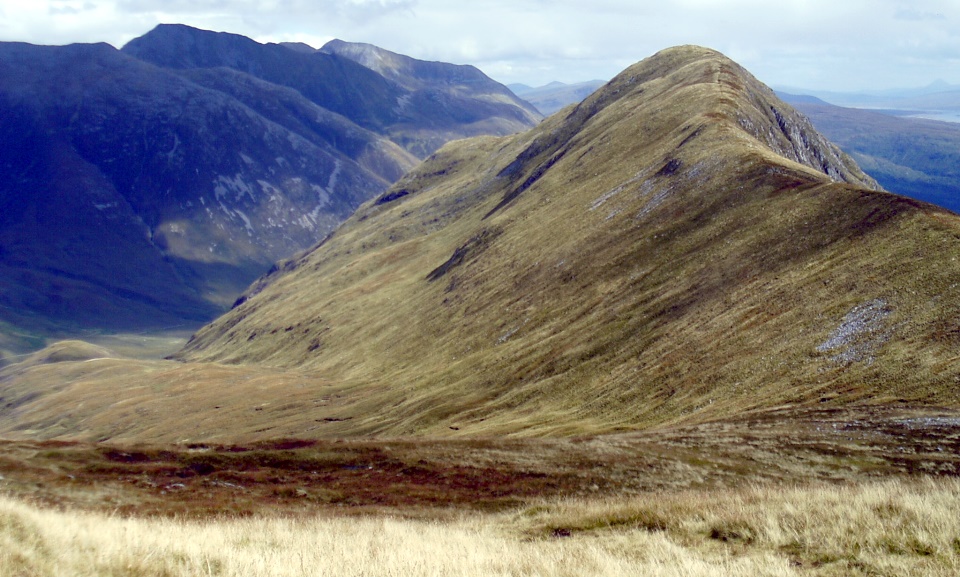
890	528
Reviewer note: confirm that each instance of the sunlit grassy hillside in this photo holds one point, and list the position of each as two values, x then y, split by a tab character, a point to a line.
681	245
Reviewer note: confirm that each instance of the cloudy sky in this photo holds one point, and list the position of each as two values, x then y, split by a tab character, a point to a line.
816	44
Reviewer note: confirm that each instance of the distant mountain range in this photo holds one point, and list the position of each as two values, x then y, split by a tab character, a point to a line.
938	95
915	157
419	110
146	187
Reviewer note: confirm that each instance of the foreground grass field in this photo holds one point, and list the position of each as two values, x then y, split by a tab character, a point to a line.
895	527
867	491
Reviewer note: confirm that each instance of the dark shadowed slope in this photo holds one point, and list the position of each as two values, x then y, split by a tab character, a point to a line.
134	197
338	85
148	187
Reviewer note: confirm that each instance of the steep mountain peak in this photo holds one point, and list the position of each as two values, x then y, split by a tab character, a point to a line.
299	47
715	93
693	105
182	46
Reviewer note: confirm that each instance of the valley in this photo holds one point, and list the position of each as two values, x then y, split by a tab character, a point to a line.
915	157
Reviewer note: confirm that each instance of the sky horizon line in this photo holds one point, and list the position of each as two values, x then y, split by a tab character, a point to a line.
786	88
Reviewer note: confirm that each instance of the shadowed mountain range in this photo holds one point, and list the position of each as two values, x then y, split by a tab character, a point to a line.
419	105
146	187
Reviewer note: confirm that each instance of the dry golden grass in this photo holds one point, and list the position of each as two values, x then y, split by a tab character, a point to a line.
891	528
883	528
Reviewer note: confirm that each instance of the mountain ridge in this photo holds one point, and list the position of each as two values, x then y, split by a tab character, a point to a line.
339	85
418	105
787	203
213	156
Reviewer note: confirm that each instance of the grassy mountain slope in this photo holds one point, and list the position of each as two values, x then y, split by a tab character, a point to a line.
671	247
679	248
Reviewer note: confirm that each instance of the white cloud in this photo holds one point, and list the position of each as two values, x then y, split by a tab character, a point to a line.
916	15
816	43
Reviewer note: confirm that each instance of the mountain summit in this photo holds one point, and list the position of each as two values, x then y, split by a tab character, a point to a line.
680	246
